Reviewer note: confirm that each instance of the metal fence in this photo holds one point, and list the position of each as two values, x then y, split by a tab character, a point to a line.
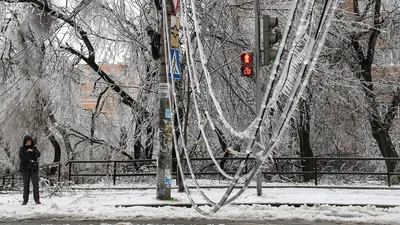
8	179
319	168
316	171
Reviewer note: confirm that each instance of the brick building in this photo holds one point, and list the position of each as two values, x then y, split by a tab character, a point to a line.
386	67
92	86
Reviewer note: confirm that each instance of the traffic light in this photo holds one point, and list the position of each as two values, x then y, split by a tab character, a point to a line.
247	63
270	38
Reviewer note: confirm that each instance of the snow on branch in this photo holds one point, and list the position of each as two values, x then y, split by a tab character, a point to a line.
90	59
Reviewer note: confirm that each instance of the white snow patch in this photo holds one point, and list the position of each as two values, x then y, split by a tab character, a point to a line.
100	205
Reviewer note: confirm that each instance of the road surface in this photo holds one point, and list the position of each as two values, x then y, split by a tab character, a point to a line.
169	222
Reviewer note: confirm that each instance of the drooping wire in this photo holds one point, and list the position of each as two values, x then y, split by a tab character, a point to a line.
282	124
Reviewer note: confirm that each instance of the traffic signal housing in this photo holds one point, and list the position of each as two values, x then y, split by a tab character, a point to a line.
270	38
247	64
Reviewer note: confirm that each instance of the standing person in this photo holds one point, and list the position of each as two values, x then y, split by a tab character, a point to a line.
29	168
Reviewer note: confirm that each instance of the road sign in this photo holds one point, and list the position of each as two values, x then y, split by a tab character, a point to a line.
175	67
175	4
174	32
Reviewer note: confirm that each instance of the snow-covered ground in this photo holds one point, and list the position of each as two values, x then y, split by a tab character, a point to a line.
100	205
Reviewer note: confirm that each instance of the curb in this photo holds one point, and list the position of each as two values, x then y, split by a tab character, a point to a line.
297	205
240	186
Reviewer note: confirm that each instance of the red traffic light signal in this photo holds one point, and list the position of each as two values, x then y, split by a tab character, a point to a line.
246	58
247	70
247	63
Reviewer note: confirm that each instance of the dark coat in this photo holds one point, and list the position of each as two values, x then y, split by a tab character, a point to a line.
25	156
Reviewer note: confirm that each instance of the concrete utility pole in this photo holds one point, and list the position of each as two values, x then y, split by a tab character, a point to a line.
165	125
258	79
164	161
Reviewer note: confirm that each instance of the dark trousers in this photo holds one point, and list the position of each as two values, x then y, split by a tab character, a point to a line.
26	176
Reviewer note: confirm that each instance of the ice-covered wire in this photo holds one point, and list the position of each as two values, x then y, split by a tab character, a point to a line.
279	130
189	62
295	57
229	190
241	134
332	4
180	130
173	110
271	100
276	135
198	114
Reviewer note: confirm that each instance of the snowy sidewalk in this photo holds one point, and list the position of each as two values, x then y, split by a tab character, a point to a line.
276	196
101	205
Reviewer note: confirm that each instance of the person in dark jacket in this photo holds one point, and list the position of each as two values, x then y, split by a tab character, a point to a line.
29	168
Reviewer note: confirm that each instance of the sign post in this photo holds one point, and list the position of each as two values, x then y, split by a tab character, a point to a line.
164	160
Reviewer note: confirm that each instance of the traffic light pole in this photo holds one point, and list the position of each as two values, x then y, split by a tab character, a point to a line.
258	79
164	159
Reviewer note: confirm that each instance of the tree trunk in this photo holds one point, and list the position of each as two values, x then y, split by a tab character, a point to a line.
63	133
56	147
137	148
57	153
304	136
149	142
379	126
224	146
386	146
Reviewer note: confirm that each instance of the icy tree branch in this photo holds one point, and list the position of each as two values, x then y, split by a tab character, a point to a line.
90	59
391	114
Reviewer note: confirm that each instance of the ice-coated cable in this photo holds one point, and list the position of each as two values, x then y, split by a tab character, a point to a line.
175	108
176	145
332	6
191	50
285	37
274	140
244	133
178	155
229	190
277	134
295	57
277	89
180	126
194	79
241	134
280	129
274	71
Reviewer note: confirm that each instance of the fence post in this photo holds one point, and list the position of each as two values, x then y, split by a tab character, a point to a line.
115	173
47	172
12	180
59	172
4	181
70	170
388	172
315	172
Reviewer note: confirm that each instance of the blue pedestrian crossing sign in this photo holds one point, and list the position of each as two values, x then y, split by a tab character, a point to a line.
175	65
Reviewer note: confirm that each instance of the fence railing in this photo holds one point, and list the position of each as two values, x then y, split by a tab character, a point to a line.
316	171
319	168
10	177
